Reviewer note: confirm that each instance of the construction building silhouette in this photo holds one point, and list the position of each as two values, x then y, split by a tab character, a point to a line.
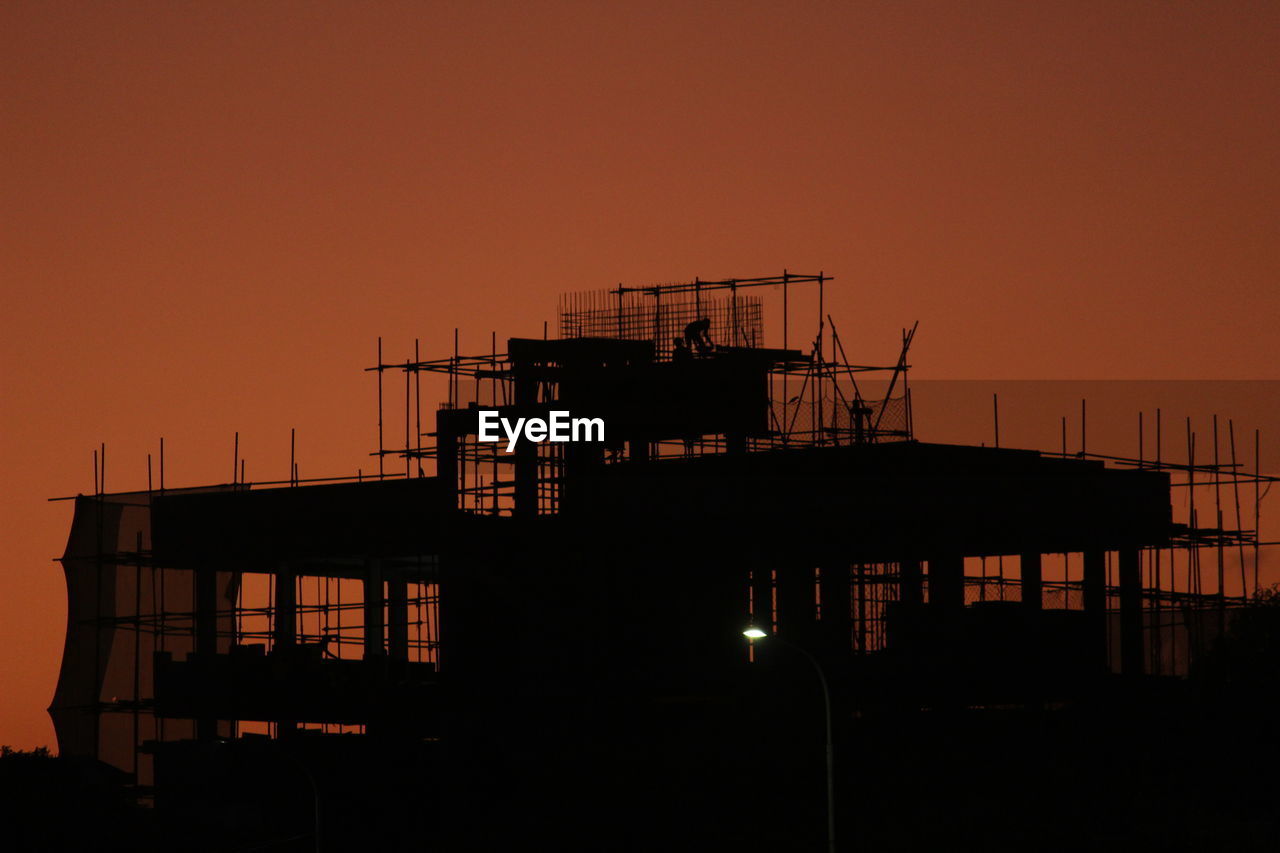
470	648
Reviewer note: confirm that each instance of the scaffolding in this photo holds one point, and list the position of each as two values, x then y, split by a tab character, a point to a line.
340	611
133	617
814	397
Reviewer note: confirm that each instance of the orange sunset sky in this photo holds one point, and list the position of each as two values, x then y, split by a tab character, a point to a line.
211	210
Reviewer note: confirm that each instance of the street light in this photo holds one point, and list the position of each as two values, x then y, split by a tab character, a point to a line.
754	632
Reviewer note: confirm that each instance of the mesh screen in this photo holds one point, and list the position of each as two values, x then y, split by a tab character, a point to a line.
121	611
662	317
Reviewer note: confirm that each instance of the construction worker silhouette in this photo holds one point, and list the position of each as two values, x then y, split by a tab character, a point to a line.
698	335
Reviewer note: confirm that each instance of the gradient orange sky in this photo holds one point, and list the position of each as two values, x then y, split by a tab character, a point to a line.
212	209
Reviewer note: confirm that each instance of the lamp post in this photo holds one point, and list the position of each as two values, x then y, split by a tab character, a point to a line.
755	633
315	795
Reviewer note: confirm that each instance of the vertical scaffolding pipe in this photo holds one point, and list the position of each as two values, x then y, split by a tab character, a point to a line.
785	282
137	649
493	402
1157	639
381	472
1140	438
1192	551
1131	653
1083	422
103	598
417	405
733	310
995	415
658	339
408	445
906	401
1095	604
1235	488
1157	619
1217	506
820	368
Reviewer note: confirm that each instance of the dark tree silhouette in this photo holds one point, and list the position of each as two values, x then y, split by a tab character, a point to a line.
53	803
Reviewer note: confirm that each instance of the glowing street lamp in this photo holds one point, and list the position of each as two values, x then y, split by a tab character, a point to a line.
753	633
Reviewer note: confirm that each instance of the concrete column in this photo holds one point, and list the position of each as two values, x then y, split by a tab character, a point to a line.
1131	652
206	593
1032	581
579	460
911	584
206	609
762	597
797	602
735	443
526	477
1032	571
398	618
837	621
285	633
447	455
374	635
526	452
946	582
1095	604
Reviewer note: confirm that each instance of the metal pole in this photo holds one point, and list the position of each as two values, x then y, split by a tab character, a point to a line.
381	456
995	415
831	756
